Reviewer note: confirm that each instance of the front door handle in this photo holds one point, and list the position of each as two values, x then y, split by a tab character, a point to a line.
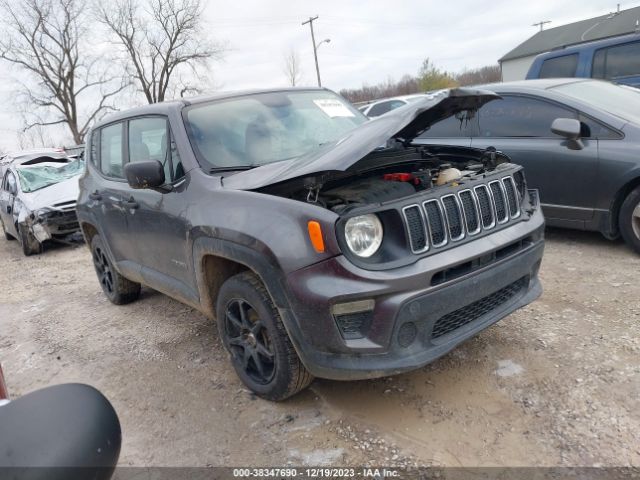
131	203
95	196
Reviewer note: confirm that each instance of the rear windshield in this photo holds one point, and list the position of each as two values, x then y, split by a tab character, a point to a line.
618	100
269	127
35	177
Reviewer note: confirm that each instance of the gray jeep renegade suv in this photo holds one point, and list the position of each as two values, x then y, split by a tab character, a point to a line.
324	244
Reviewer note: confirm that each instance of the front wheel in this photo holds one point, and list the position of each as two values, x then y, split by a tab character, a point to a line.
252	331
30	244
118	289
629	220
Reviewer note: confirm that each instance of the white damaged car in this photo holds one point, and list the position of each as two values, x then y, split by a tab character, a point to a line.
38	198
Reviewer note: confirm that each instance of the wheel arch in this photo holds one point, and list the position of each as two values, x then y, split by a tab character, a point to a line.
88	231
217	260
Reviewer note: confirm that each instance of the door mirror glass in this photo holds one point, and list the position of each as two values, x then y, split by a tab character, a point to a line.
569	129
147	174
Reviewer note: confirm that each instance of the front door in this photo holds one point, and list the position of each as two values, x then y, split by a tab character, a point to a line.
157	220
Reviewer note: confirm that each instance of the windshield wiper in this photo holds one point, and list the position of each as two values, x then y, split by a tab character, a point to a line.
231	168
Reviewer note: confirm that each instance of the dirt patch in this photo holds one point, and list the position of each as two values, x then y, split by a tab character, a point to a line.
556	383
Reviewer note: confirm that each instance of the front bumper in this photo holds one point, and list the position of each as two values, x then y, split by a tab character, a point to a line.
414	319
54	223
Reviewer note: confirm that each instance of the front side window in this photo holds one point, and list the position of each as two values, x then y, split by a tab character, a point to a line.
148	140
264	128
111	151
520	117
560	67
617	62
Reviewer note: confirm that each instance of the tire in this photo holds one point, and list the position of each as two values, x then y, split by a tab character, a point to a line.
252	331
118	290
30	245
629	220
7	236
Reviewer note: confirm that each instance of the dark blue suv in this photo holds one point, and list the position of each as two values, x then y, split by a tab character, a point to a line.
616	59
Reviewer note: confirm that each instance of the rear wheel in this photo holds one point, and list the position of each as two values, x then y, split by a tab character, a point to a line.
7	236
252	331
30	245
629	220
118	289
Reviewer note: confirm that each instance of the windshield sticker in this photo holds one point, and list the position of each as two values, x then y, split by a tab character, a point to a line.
334	108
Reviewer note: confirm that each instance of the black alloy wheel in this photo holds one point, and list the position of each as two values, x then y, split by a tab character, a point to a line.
251	346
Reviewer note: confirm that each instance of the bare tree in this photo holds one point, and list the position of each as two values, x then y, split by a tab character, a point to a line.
291	67
63	85
163	44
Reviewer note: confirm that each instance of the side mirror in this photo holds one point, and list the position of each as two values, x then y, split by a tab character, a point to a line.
570	129
149	174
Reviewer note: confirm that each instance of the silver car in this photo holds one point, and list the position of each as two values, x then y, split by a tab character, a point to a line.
38	197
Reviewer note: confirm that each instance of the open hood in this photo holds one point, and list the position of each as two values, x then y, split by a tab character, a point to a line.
403	124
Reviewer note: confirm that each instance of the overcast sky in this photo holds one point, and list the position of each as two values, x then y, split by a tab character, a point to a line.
370	41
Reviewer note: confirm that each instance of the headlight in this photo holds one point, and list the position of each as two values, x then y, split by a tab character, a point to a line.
363	234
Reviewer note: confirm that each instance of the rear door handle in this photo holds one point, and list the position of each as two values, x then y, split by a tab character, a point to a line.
131	203
95	196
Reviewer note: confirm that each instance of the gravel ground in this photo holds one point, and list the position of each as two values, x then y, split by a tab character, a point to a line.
556	383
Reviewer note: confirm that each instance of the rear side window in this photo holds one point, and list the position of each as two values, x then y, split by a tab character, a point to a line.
616	62
520	117
93	148
111	151
559	67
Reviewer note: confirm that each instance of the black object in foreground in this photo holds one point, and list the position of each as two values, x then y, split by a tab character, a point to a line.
62	432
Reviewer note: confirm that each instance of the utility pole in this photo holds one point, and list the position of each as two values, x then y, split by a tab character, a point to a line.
541	24
313	40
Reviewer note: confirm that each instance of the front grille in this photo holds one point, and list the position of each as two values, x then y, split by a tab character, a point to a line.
416	227
452	217
499	201
465	315
512	196
435	219
486	207
471	214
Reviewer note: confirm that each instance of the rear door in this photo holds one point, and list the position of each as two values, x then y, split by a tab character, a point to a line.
107	200
520	126
8	190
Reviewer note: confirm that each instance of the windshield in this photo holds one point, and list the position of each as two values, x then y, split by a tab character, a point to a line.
269	127
618	100
35	177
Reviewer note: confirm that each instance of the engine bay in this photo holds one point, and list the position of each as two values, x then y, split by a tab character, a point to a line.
392	174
